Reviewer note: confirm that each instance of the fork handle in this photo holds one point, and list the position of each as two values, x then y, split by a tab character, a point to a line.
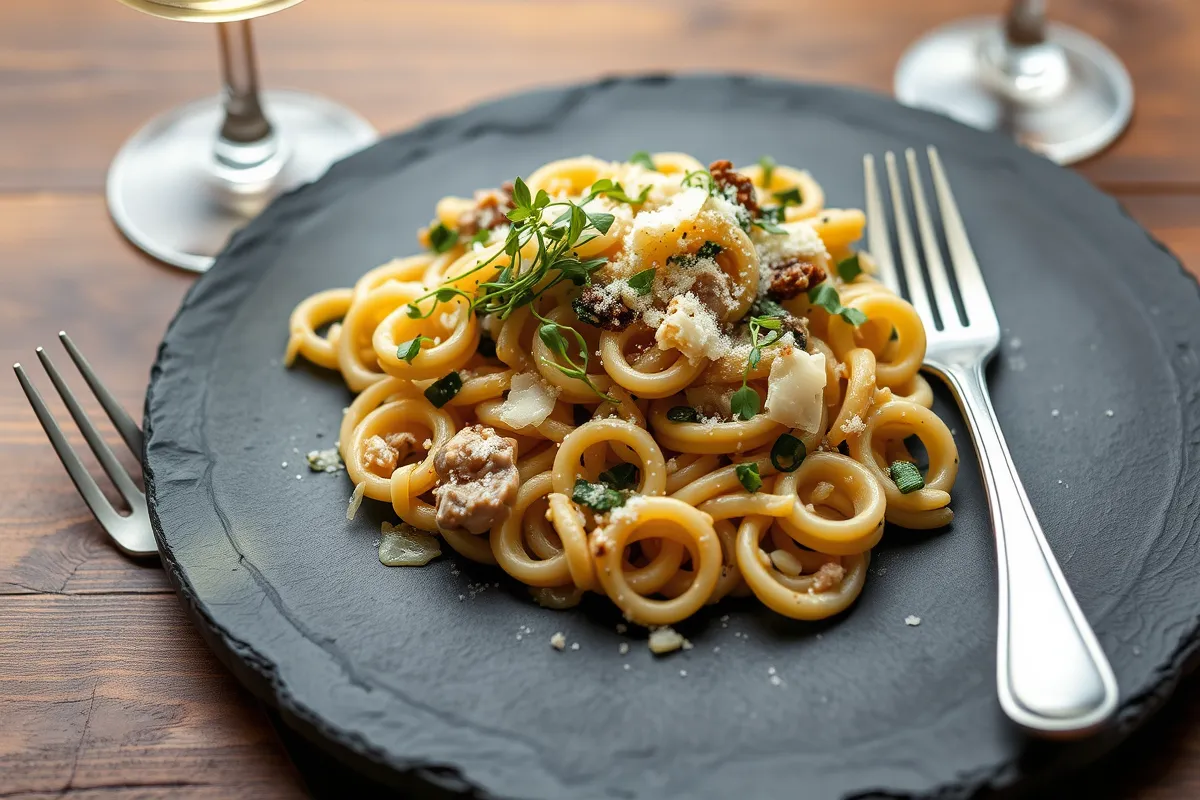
1052	677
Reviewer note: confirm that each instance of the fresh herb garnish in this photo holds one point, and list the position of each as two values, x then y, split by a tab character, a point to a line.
709	249
597	496
480	237
826	297
768	170
551	335
745	402
791	197
849	268
442	390
622	476
768	225
614	191
410	349
642	281
683	414
906	476
700	179
747	475
787	454
772	214
442	238
643	159
766	307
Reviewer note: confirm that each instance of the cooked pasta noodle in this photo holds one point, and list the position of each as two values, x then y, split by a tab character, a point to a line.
649	380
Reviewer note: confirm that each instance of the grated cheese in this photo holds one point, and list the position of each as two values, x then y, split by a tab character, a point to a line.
666	640
691	328
404	546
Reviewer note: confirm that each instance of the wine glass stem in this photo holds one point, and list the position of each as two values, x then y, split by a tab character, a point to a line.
246	138
1026	23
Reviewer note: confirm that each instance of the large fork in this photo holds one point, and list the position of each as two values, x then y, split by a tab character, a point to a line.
131	532
1052	677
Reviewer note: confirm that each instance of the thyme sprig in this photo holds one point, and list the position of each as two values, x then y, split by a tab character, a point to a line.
745	402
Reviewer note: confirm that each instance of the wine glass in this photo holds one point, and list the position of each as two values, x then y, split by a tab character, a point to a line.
194	175
1055	89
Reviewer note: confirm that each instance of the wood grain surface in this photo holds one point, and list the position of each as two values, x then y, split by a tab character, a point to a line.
104	686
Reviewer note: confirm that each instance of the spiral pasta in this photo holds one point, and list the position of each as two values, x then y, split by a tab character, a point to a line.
648	380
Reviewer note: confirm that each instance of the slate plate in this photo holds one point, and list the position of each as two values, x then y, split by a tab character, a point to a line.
417	676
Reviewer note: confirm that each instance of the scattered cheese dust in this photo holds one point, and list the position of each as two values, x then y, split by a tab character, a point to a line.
912	619
853	426
666	640
556	597
405	546
356	500
558	641
623	648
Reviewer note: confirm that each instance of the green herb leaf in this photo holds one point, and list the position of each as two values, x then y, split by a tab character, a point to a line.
791	197
578	272
853	316
614	191
554	340
683	414
596	496
643	159
521	196
519	214
747	475
849	268
768	170
744	403
755	357
541	200
622	476
772	323
442	238
709	250
768	226
480	237
601	221
906	476
442	391
642	281
410	349
766	307
700	179
787	454
413	311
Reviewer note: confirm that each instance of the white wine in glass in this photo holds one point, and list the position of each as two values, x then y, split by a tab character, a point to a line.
194	175
1054	89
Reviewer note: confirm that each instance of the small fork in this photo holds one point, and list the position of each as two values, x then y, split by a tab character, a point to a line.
131	532
1052	677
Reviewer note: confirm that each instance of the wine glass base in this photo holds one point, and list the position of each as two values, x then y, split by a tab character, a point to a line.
946	72
171	197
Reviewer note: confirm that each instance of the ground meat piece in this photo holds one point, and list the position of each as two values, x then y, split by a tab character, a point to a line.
829	576
490	211
734	185
478	480
404	443
378	456
597	307
793	276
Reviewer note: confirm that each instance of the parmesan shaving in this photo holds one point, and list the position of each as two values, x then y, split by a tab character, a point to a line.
356	500
529	402
666	640
691	328
795	388
404	546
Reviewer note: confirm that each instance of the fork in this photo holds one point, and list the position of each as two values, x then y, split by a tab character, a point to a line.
130	532
1052	677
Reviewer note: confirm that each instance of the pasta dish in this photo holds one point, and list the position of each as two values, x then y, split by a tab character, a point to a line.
648	379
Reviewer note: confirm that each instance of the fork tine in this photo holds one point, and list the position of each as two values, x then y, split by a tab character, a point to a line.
908	251
943	297
115	471
878	241
124	423
971	287
83	481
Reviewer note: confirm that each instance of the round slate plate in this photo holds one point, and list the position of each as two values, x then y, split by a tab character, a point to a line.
418	674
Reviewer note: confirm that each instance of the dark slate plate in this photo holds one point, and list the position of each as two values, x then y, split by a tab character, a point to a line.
398	676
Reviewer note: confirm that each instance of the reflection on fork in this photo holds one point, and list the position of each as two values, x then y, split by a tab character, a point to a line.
1052	677
131	533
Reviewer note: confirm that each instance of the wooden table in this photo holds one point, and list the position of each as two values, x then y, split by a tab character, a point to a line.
104	686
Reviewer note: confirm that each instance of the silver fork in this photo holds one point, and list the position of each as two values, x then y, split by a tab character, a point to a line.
1052	677
131	532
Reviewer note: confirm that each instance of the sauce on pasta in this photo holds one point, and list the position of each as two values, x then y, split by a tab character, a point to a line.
651	380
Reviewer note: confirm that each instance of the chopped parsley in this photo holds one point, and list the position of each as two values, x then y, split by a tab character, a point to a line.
442	238
788	453
826	297
707	250
642	281
407	351
849	268
791	197
442	390
683	414
597	496
643	159
747	475
622	476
